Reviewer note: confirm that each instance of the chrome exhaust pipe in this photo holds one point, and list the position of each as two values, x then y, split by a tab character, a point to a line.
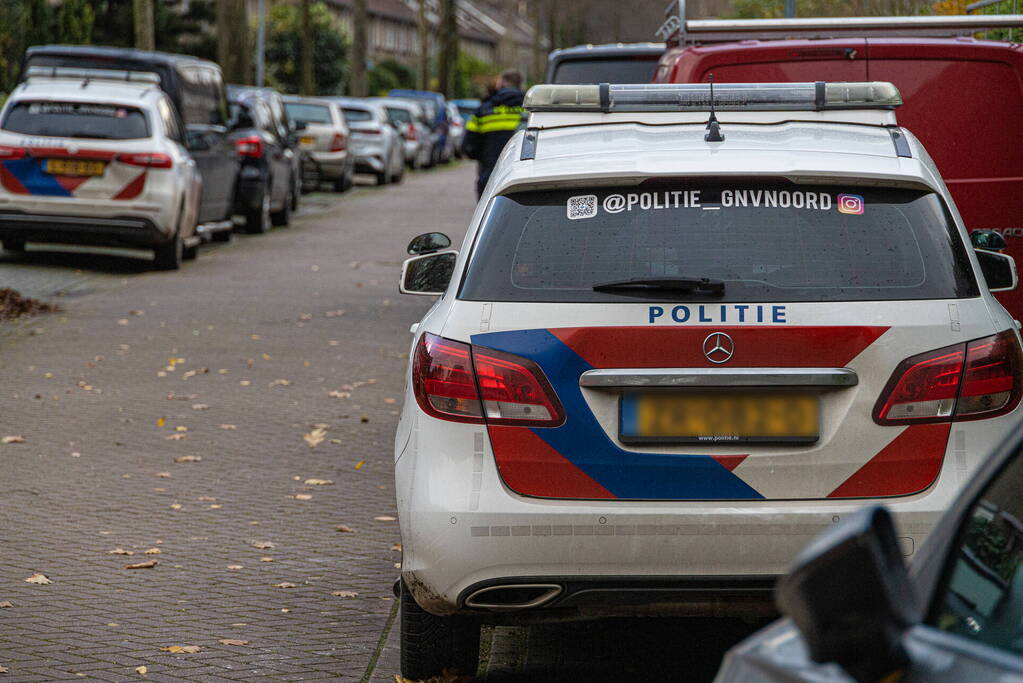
513	596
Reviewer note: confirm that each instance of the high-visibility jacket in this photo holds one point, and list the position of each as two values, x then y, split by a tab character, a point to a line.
490	128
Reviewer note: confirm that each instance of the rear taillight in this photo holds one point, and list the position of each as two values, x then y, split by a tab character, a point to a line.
12	153
502	389
979	379
249	146
338	143
411	134
146	160
370	131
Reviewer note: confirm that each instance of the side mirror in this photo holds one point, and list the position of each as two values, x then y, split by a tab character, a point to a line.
991	240
429	274
850	596
999	270
196	141
428	242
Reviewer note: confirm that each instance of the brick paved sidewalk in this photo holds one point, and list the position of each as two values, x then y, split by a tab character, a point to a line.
241	349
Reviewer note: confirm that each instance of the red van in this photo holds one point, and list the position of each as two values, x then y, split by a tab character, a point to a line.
963	97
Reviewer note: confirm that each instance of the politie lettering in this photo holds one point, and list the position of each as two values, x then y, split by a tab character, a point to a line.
717	313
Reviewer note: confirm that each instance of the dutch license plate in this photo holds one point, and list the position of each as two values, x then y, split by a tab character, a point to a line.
667	417
306	140
74	167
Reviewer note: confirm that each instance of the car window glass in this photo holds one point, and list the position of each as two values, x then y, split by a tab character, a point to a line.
983	597
308	113
615	70
357	115
264	117
169	118
768	242
398	115
76	120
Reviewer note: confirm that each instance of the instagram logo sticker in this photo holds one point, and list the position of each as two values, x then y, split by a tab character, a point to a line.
850	203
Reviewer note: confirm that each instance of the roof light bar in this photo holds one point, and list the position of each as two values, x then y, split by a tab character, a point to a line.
76	73
608	98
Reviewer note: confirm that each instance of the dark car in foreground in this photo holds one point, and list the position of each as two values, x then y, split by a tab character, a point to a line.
614	63
854	612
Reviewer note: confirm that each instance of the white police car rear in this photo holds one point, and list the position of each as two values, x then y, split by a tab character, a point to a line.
671	351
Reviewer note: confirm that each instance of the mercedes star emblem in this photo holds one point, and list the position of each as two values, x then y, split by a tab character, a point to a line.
718	347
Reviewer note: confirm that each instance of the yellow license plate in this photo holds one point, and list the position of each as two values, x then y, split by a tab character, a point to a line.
719	418
307	140
75	167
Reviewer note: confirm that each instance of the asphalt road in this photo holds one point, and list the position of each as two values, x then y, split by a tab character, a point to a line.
190	414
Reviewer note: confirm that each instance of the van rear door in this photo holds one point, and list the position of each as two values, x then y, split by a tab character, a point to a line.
775	62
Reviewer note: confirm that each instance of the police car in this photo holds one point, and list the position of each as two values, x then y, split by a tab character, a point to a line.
690	327
96	157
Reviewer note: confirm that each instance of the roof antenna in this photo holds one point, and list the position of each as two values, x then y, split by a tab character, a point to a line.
713	127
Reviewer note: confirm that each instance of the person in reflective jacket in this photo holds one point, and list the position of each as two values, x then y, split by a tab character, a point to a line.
493	124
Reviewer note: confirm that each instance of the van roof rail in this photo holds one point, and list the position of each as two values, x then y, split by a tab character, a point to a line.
76	73
678	30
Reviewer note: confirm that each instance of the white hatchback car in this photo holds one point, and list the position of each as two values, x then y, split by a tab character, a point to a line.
96	157
674	348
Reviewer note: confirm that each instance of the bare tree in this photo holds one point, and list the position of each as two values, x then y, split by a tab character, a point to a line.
539	56
448	46
360	29
308	83
234	51
145	31
424	48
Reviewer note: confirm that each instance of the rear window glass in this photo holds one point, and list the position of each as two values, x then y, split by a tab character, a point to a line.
308	113
76	120
770	242
616	70
357	115
397	115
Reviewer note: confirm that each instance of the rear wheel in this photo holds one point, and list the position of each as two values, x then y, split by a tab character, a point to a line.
383	177
169	256
283	217
257	220
16	246
431	644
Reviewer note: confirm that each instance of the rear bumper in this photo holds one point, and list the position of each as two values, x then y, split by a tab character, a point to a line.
330	165
369	164
119	231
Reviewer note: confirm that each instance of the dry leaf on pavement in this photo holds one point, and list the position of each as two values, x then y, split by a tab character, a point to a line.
120	551
178	649
345	594
345	529
200	406
359	464
228	427
315	437
234	567
39	579
175	437
152	551
284	584
12	439
339	394
3	669
302	496
318	482
384	518
163	475
6	603
186	458
149	564
262	545
262	559
280	383
232	641
141	670
396	547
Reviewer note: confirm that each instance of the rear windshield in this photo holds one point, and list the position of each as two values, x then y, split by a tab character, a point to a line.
76	120
397	115
614	70
770	242
357	115
308	113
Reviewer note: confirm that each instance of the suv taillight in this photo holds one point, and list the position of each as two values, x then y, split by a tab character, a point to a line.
146	160
338	143
411	134
250	146
462	383
979	379
12	153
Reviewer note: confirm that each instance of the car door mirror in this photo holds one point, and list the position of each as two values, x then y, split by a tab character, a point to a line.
850	596
999	270
428	242
992	240
428	274
196	140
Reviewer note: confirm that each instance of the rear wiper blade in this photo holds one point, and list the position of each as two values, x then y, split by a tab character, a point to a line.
676	284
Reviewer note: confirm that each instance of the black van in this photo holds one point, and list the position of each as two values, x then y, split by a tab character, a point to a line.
196	87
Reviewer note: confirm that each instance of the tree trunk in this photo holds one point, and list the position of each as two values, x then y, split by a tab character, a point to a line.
308	83
360	30
145	31
448	47
539	56
234	51
423	80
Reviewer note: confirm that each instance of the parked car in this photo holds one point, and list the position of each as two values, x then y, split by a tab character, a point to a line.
407	117
440	119
675	346
954	616
96	157
323	136
196	88
377	145
266	178
962	94
467	107
612	63
456	130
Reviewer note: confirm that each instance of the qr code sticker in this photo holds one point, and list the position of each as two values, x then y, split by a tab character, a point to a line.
583	206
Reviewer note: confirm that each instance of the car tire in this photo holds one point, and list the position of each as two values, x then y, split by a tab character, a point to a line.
257	221
431	644
221	236
14	246
190	253
296	192
283	217
383	177
169	256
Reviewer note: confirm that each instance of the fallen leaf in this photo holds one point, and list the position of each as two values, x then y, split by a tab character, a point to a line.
302	496
285	610
176	437
345	594
200	406
280	383
12	439
245	382
120	551
181	428
359	464
340	394
149	564
318	482
266	356
141	670
6	603
39	579
216	506
163	475
396	547
344	528
122	321
262	545
179	649
228	427
206	499
235	567
284	584
390	401
187	458
175	506
262	559
232	641
152	551
3	669
161	422
315	437
385	518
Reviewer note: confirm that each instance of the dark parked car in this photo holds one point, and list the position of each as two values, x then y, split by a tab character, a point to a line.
850	601
267	178
614	63
196	87
440	119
